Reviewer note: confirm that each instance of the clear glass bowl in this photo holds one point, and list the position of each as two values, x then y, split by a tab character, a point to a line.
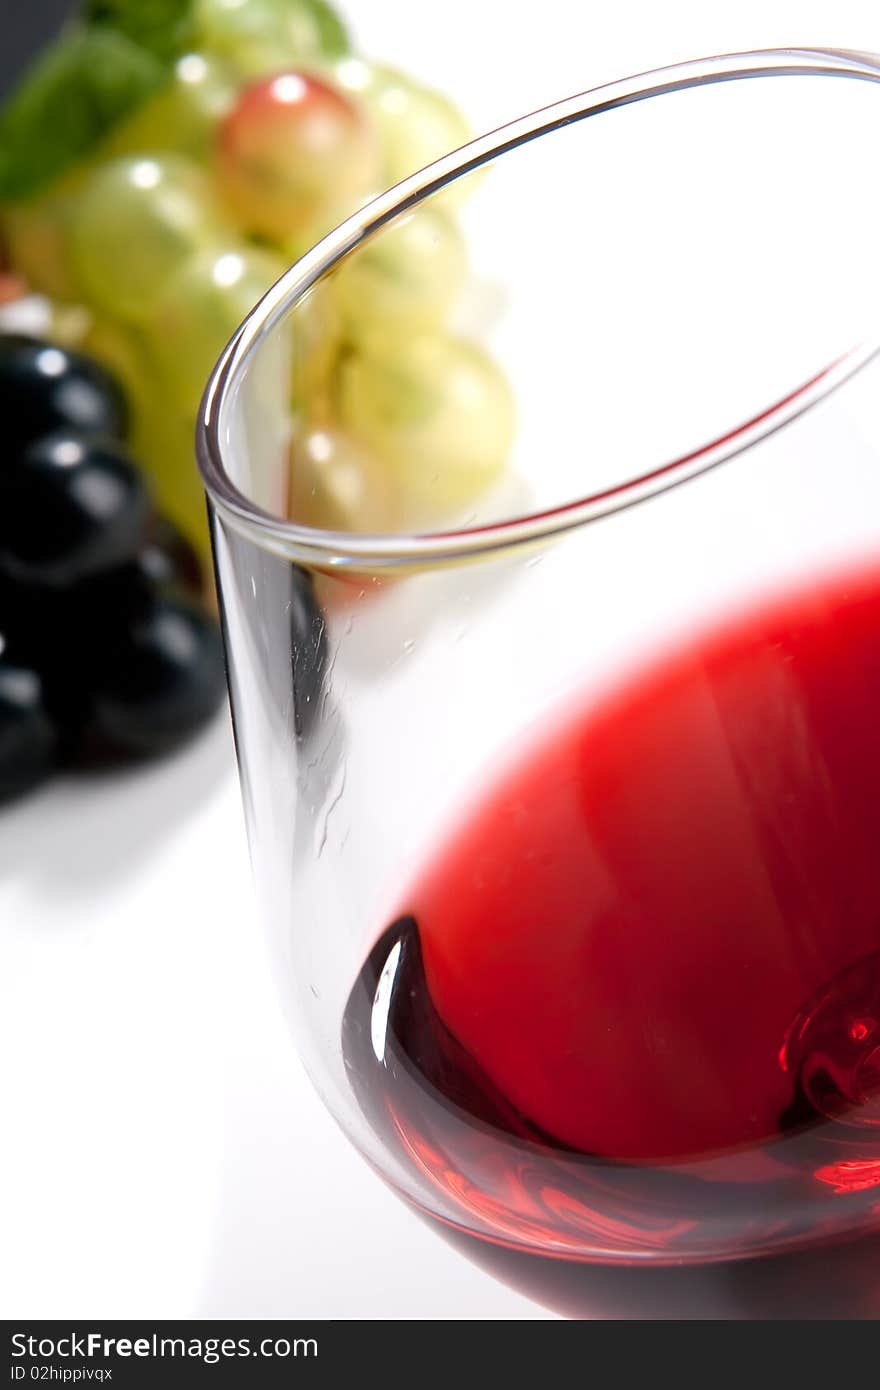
689	281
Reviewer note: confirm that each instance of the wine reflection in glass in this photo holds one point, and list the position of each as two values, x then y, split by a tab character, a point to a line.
561	779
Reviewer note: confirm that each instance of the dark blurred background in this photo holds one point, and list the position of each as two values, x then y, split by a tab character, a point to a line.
26	25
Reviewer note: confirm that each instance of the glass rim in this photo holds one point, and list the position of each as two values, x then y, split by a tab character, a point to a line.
330	549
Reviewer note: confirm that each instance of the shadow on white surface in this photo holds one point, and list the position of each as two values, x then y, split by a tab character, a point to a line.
116	976
85	831
303	1228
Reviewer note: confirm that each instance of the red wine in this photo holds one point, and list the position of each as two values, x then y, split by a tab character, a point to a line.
631	1008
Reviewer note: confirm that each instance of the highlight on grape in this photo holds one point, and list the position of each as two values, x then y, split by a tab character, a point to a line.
214	142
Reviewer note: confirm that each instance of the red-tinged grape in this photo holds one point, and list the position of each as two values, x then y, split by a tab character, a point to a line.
12	287
137	221
337	485
416	124
292	150
36	233
183	116
409	274
198	311
437	410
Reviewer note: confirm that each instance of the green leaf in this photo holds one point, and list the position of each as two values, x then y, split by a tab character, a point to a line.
67	101
163	27
335	41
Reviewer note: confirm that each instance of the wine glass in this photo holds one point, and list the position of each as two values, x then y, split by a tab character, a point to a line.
557	738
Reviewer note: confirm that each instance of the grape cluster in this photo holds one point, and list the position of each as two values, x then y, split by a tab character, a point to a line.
263	134
106	651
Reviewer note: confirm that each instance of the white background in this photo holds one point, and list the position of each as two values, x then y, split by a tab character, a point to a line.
162	1153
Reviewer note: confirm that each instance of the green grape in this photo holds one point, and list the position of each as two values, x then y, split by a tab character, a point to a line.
183	116
291	150
315	344
36	234
198	311
197	314
410	273
436	409
256	58
137	221
328	216
416	124
264	36
337	485
161	433
66	323
119	350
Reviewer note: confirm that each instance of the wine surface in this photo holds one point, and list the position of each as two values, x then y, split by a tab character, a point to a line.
631	1005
